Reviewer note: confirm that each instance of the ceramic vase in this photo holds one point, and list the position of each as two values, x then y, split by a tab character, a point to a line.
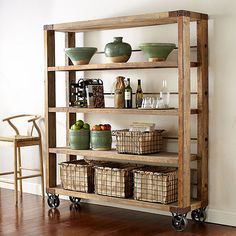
118	51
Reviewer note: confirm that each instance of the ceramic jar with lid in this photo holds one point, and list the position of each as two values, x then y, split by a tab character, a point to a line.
118	51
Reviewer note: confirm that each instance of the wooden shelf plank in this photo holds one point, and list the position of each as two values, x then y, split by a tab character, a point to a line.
125	21
116	200
168	112
157	158
120	66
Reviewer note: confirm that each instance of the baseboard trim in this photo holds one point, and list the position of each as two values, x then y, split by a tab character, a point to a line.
28	187
213	215
221	217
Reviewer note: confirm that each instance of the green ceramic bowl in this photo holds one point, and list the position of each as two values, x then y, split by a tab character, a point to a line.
157	51
80	55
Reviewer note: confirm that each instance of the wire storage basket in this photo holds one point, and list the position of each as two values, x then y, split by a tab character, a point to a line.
156	184
114	179
77	176
137	142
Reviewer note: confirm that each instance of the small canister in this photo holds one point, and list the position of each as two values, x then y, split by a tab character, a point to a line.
79	139
101	140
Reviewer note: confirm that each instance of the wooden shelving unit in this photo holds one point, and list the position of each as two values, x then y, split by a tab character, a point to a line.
181	159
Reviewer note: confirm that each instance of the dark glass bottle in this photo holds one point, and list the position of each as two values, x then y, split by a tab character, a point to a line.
139	95
128	95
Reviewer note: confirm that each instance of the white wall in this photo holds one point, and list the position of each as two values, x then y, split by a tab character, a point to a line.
22	76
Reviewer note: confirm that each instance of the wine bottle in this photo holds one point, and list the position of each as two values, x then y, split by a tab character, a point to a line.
139	95
128	95
165	94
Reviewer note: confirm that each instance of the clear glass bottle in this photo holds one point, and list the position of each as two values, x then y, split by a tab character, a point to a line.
165	94
139	95
128	95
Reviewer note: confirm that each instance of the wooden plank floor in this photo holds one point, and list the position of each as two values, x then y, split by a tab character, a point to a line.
33	217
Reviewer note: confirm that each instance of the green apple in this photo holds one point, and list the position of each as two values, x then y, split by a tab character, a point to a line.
75	127
86	126
80	123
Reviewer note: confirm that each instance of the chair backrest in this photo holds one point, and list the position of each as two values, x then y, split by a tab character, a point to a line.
31	121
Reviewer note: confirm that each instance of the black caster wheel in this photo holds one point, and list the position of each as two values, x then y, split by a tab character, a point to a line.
179	222
75	200
199	215
53	201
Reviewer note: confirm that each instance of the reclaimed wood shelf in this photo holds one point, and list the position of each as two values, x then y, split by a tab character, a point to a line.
183	158
134	111
126	201
151	19
157	158
120	66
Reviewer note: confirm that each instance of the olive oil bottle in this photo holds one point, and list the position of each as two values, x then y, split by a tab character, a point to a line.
139	95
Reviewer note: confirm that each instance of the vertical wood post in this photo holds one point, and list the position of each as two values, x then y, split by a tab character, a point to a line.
70	77
184	111
202	165
50	101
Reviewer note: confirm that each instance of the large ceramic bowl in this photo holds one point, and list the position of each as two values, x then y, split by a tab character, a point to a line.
157	51
80	55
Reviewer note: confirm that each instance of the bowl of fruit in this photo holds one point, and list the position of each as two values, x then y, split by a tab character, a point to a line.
100	137
79	135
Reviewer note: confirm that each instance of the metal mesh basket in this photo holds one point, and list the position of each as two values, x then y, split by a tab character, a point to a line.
136	142
77	176
114	179
156	184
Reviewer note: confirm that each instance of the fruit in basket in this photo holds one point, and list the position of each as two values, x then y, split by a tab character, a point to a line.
79	124
79	135
75	127
101	138
96	128
108	126
86	126
101	127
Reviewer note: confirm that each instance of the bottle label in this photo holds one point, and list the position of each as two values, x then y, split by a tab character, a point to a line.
127	95
139	102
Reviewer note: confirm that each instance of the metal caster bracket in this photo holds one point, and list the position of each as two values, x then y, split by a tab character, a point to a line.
75	200
199	215
179	221
53	200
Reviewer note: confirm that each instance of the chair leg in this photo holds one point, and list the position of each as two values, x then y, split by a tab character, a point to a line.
41	167
15	173
19	170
